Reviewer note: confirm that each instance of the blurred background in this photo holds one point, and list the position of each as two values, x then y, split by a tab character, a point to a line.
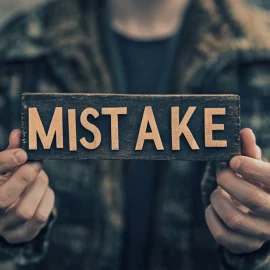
262	3
10	8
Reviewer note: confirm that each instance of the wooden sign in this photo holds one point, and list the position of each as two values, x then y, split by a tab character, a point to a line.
108	126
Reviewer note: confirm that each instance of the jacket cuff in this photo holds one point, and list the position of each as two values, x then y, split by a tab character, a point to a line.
32	251
257	260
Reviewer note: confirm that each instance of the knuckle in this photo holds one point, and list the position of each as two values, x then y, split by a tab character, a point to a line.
223	177
264	234
4	203
25	176
10	239
30	234
214	196
36	166
264	170
220	238
13	238
254	245
13	160
236	250
51	195
20	236
234	221
259	245
24	214
256	201
207	210
40	218
45	179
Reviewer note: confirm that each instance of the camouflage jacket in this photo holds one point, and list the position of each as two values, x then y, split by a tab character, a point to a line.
62	47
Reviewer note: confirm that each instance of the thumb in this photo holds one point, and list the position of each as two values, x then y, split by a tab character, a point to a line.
14	139
249	147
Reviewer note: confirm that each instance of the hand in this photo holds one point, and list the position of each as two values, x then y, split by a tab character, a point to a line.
26	200
239	214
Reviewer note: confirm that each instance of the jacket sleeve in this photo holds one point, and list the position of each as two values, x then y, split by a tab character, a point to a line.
258	260
11	84
30	252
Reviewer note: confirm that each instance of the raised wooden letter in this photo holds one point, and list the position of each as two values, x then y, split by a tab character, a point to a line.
96	132
182	128
114	112
72	130
149	118
210	127
36	128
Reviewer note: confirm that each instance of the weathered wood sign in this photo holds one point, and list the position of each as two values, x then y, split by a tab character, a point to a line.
108	126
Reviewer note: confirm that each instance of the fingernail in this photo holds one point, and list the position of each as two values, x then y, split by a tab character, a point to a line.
36	165
21	156
235	163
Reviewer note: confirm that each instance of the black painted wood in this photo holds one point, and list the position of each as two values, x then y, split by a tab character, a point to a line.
129	125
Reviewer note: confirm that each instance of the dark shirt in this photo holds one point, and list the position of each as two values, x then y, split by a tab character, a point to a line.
144	69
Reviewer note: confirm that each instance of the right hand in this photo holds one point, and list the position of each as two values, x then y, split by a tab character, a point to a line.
26	200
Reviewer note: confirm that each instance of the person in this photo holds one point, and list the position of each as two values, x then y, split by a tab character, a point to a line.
137	214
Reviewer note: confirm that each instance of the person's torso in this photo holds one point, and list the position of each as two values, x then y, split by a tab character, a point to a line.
90	227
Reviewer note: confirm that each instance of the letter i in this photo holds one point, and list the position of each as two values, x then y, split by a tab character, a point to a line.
72	130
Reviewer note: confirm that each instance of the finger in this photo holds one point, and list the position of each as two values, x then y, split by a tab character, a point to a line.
17	183
27	206
226	237
236	220
44	209
251	169
11	159
248	144
247	194
14	139
4	177
40	219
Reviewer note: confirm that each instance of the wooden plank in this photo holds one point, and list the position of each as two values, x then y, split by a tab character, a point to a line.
110	126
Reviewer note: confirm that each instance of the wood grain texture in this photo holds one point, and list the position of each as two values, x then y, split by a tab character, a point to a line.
120	125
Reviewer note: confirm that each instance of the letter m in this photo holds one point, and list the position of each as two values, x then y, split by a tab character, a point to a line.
36	128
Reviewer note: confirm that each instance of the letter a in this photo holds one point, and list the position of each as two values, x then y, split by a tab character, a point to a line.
149	118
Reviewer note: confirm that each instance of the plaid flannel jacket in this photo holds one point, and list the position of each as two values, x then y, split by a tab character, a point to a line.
61	47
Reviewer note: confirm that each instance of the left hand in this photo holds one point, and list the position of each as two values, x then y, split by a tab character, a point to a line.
239	214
